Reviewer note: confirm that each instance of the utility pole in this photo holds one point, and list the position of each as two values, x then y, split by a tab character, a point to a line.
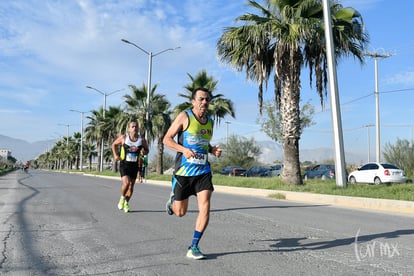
81	141
227	136
67	143
369	141
376	56
340	170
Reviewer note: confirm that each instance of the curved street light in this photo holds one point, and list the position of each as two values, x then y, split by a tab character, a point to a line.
81	145
103	113
376	56
150	56
67	141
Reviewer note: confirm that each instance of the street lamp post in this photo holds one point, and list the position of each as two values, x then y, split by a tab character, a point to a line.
369	141
103	113
340	170
67	142
227	136
67	133
375	56
81	142
150	56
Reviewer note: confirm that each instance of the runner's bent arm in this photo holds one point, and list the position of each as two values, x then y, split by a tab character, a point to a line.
118	141
179	124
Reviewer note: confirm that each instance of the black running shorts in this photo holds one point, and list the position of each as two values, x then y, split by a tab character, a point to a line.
129	168
186	186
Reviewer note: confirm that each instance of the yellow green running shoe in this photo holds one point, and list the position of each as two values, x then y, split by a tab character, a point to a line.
126	207
121	203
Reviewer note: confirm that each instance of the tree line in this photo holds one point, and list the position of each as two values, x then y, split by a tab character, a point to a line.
274	44
65	153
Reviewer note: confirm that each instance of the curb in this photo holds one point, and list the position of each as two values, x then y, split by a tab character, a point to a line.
385	205
375	204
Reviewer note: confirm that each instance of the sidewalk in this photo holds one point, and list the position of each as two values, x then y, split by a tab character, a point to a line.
384	205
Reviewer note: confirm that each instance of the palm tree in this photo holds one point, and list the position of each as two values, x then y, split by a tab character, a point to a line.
288	35
42	159
116	123
69	151
160	122
89	151
137	106
219	107
94	130
76	146
59	152
53	158
160	116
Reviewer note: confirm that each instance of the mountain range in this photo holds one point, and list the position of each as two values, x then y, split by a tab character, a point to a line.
23	150
271	151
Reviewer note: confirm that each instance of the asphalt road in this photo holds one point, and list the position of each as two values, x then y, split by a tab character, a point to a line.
68	224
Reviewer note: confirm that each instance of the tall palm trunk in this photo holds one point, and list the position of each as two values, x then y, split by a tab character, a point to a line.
291	118
160	159
114	165
90	162
291	169
99	146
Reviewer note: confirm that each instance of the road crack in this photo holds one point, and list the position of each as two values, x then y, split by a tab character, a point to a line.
3	252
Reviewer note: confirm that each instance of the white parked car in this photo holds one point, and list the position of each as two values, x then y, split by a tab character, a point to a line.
377	173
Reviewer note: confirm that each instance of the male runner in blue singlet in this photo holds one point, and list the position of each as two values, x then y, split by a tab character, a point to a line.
192	174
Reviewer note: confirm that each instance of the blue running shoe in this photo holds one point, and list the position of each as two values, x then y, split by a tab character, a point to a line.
169	203
195	253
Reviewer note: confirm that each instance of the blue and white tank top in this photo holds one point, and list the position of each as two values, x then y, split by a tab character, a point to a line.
197	137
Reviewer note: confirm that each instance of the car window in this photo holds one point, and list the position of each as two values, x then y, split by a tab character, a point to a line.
369	166
390	166
365	167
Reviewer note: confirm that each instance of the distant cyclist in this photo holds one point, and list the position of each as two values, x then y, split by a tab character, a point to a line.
26	166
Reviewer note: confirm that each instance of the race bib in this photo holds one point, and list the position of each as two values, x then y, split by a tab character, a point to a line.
131	157
198	159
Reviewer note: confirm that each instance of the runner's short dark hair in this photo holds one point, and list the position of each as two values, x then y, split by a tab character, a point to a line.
199	89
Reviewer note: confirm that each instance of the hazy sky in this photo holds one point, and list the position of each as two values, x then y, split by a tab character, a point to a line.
51	50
